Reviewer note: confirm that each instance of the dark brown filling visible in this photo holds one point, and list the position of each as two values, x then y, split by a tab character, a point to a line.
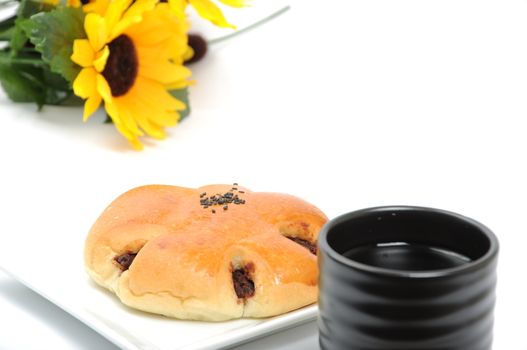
125	260
243	285
312	247
122	65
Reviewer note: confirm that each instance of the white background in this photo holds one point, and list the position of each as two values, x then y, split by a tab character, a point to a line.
348	104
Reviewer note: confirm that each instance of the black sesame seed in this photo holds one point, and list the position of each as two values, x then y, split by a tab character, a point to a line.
221	199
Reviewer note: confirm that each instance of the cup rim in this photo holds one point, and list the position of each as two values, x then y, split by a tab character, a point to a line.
325	247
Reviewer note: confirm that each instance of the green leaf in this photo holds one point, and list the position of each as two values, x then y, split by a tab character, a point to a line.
7	34
26	9
18	37
55	81
28	83
53	34
182	95
6	27
30	60
71	100
20	87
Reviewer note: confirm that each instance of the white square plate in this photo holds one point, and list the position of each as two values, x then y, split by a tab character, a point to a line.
130	329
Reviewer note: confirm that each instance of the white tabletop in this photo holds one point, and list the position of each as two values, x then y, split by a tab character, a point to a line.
348	104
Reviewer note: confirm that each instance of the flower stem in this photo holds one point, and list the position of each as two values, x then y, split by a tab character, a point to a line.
250	27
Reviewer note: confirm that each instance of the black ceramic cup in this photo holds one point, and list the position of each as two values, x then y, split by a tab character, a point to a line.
406	278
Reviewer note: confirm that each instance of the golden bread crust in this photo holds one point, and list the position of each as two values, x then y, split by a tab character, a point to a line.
185	252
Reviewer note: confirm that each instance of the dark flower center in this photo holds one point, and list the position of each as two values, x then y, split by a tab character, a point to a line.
199	45
122	65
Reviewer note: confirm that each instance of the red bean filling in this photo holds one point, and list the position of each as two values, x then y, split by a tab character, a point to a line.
312	247
243	285
125	260
122	65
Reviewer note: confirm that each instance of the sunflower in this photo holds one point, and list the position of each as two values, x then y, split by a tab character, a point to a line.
207	9
98	6
133	55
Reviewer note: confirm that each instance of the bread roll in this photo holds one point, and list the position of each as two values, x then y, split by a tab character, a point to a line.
214	253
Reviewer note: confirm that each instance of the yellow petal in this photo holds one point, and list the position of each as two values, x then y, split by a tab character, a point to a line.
114	113
178	7
102	56
179	85
132	139
126	116
114	12
96	29
136	144
123	25
156	93
139	7
170	118
211	12
151	34
133	15
163	72
104	89
72	3
150	127
234	3
188	54
160	27
91	105
150	53
153	130
151	118
85	84
82	53
98	6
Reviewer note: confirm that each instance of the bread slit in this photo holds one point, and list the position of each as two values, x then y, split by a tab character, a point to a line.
312	247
